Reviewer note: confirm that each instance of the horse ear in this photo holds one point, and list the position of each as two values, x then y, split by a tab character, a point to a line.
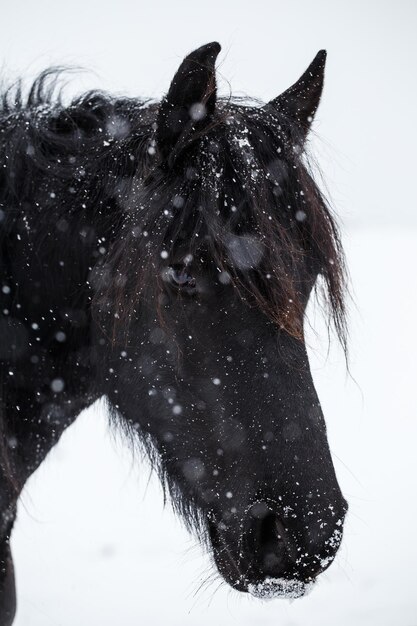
191	97
301	101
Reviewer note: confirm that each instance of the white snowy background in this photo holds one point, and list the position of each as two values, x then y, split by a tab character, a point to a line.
93	543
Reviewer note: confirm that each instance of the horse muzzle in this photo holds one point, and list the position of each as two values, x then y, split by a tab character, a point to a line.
265	556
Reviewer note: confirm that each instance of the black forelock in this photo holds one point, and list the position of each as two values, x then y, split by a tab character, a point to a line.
244	175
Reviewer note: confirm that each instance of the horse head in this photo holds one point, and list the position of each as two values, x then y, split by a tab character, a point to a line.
225	236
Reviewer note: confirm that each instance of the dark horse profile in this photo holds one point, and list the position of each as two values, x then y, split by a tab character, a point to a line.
162	255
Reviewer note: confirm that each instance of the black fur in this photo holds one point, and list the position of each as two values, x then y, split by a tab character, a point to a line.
105	204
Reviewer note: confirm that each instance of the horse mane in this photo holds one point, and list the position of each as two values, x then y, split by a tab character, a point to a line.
247	156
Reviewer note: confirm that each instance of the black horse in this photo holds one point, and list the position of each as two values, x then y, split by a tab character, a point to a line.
162	255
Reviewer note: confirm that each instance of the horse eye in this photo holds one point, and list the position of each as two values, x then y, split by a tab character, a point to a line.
181	278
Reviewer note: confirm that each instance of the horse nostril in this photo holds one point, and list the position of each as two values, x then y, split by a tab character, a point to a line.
272	544
266	541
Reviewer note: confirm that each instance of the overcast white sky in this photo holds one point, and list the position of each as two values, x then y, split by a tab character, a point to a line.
366	122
